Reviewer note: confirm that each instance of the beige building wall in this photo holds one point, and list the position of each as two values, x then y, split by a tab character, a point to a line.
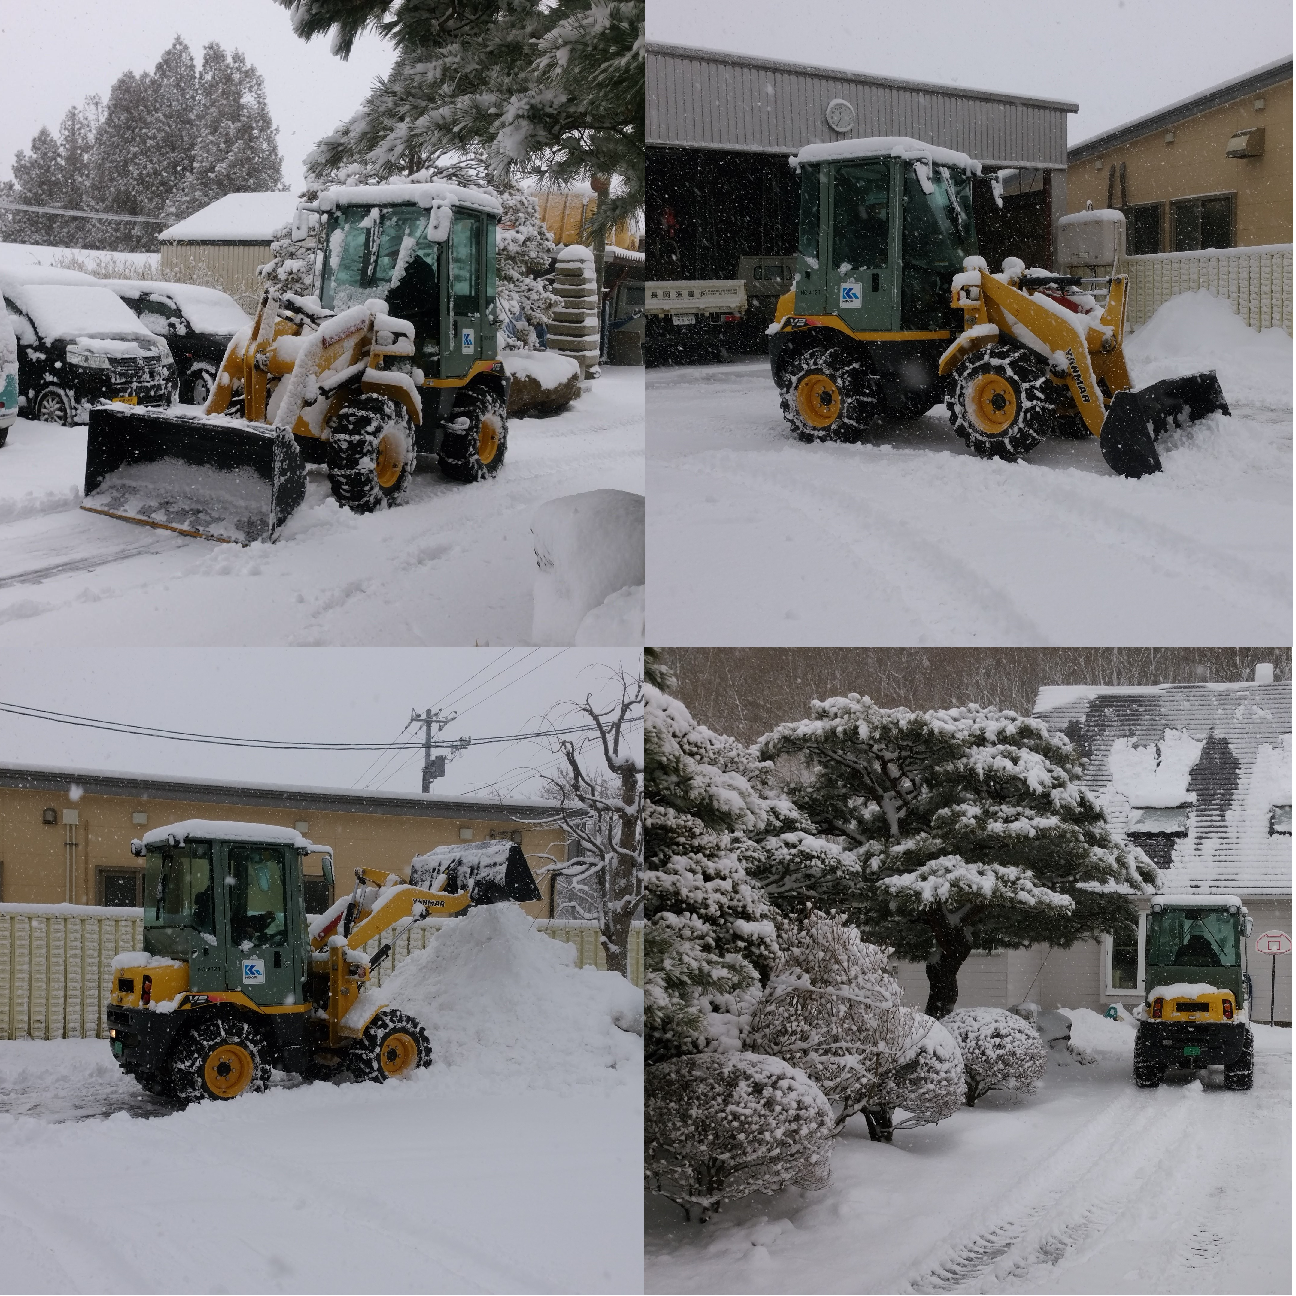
55	863
231	267
1194	164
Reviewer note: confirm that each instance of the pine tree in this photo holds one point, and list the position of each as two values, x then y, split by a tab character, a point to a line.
119	159
170	133
525	250
38	182
959	830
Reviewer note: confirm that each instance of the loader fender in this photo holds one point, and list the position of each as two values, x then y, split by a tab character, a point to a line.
974	339
395	386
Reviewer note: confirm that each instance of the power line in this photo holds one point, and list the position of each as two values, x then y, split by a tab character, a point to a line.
90	215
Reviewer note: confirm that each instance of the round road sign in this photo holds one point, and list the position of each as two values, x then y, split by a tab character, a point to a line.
1273	942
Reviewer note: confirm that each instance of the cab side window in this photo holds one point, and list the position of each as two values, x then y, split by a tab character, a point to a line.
466	263
257	908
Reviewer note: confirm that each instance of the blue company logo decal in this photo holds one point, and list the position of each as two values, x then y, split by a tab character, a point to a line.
254	971
467	341
850	294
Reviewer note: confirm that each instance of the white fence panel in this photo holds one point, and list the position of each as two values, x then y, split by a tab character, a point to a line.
1257	280
56	963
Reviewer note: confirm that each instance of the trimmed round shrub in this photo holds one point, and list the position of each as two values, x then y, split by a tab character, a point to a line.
1000	1051
719	1126
929	1082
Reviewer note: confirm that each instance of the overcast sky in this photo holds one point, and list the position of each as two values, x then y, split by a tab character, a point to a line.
311	694
55	53
1117	59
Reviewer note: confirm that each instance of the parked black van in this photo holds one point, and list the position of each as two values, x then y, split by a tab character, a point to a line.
196	322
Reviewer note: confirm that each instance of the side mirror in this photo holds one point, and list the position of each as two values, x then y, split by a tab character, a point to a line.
327	864
303	223
1248	925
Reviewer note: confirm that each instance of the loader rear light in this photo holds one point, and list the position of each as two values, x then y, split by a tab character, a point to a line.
1158	1008
732	319
146	990
1228	1009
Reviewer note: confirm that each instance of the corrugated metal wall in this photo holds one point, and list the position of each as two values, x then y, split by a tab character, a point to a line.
232	267
56	963
701	99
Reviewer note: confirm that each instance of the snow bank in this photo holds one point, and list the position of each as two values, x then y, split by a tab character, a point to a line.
1091	1032
500	998
617	622
1197	331
587	547
544	380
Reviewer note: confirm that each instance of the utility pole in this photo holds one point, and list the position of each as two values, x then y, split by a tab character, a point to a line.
434	767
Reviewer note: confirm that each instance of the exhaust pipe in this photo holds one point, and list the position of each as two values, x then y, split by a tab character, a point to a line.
210	476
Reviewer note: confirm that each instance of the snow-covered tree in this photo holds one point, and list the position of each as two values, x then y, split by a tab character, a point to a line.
959	830
527	87
602	814
928	1083
1000	1051
524	251
719	1126
709	937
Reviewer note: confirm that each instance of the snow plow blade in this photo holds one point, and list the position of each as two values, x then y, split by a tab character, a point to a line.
210	476
491	872
1136	419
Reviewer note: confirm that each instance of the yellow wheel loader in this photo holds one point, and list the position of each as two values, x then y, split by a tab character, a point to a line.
395	355
232	982
871	330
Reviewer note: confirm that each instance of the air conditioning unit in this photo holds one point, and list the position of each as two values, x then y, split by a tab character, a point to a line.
1246	143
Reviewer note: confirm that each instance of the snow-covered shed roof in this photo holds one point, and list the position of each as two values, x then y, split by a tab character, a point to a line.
1219	754
236	218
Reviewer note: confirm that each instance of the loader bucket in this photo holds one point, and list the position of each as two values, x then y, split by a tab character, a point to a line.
1136	419
486	870
201	475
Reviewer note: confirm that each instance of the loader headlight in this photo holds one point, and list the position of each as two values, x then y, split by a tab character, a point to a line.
87	359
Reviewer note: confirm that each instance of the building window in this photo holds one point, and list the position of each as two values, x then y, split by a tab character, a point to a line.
1280	821
1154	829
1123	958
1143	229
1204	222
120	888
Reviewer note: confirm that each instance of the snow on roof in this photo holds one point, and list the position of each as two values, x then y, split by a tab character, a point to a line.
622	256
1104	215
422	195
236	218
886	146
1221	751
1199	901
70	310
208	309
227	830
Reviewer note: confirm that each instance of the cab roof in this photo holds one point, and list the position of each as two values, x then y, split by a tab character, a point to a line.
1189	901
426	195
901	146
227	830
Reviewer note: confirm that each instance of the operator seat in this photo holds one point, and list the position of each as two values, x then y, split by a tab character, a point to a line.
1196	951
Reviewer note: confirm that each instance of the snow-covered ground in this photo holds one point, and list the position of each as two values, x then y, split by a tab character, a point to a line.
455	565
1091	1185
514	1164
908	538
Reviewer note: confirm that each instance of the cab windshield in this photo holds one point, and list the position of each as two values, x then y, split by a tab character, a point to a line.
370	252
178	895
1192	938
938	234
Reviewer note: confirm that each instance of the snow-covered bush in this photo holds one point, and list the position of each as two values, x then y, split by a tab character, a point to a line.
1000	1051
832	1008
928	1083
524	250
719	1126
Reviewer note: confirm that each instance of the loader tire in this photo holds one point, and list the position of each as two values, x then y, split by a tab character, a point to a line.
474	445
1241	1075
1148	1068
1002	402
370	454
219	1060
827	394
392	1044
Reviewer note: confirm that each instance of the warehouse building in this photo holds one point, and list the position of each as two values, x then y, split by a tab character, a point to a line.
65	834
722	199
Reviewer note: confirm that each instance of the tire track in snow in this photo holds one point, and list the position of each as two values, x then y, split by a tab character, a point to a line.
871	533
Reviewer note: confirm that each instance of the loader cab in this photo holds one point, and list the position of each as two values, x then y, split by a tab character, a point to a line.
1198	941
881	236
431	259
234	911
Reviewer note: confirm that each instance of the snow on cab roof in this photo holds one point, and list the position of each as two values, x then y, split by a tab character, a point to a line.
1198	901
901	146
227	830
236	218
422	195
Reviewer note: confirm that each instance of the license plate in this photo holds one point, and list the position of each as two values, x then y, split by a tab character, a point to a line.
125	400
117	1048
1192	1050
683	319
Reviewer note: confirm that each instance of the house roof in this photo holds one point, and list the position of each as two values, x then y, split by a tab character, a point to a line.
1221	753
1203	101
281	796
236	218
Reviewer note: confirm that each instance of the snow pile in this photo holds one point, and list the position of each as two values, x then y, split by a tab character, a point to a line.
544	380
20	257
719	1126
501	999
1093	1033
617	622
587	547
1000	1051
1198	331
1155	775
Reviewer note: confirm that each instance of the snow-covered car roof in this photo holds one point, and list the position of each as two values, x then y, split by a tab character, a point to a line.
421	195
227	830
208	309
17	276
236	218
63	310
886	146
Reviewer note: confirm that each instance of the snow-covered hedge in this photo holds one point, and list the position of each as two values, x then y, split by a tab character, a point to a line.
1000	1051
929	1083
719	1126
